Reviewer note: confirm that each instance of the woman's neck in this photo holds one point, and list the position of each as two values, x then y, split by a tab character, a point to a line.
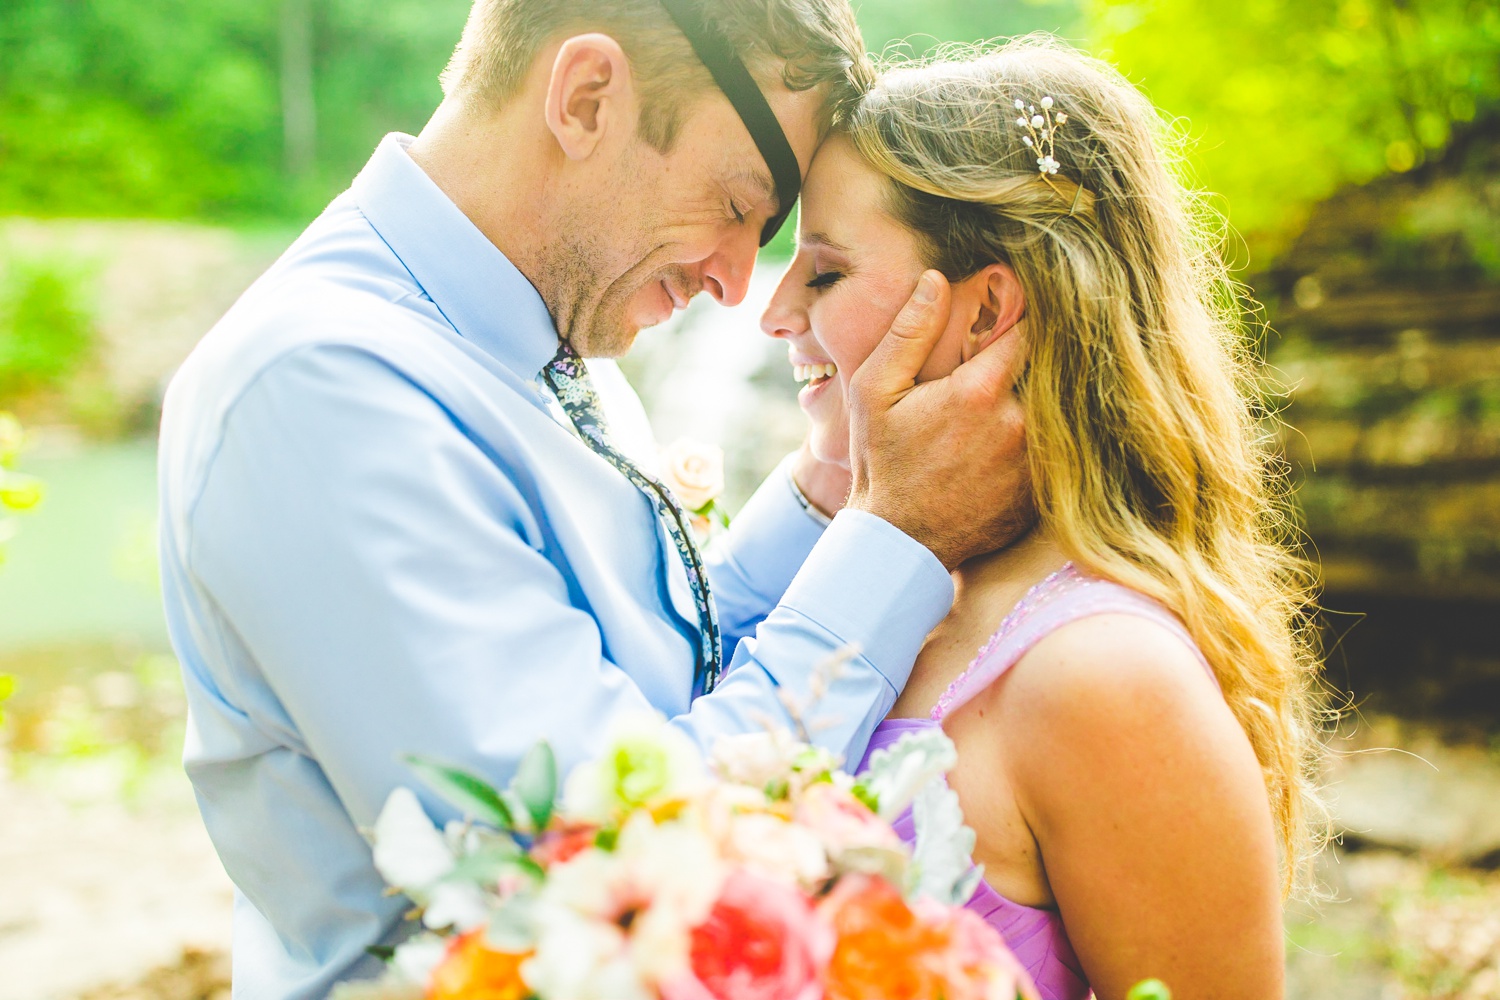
1001	578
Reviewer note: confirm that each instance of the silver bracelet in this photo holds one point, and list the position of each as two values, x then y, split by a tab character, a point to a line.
807	505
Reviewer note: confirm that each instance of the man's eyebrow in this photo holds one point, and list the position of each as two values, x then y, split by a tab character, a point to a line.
760	182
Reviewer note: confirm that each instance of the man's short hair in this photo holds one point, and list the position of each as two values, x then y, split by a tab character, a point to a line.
806	43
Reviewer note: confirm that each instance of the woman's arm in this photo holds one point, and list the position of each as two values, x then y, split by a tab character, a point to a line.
1149	809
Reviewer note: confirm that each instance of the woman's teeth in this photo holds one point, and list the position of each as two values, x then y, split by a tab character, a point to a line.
806	373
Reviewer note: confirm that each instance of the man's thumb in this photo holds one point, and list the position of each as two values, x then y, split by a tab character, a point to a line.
892	367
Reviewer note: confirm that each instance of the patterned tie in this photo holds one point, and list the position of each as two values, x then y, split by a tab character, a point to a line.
568	378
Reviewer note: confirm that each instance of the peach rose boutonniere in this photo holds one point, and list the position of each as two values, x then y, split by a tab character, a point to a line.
694	472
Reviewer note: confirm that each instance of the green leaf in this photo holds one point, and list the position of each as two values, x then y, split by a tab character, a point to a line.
384	952
473	795
535	783
1149	989
494	860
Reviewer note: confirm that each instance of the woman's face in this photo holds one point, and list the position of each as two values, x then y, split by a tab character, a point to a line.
855	268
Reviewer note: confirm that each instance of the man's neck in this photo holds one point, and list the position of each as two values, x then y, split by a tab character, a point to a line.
461	150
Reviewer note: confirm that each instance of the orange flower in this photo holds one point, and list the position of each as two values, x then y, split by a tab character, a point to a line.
884	950
470	971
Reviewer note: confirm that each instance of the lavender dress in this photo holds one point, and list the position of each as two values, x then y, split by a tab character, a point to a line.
1037	937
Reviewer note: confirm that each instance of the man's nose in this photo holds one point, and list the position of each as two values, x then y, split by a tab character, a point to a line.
726	274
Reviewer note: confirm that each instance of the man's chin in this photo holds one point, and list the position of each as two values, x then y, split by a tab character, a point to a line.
612	343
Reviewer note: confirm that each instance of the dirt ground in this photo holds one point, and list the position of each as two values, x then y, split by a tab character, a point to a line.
95	890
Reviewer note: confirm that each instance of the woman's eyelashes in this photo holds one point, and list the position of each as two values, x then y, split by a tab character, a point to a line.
824	279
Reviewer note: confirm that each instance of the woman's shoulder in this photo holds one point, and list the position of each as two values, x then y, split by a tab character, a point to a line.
1111	662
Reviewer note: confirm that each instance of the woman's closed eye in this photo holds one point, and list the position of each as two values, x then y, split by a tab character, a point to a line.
825	278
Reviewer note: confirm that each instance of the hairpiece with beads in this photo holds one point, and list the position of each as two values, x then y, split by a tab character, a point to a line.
1041	125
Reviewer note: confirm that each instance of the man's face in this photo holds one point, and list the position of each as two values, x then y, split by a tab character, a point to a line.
656	229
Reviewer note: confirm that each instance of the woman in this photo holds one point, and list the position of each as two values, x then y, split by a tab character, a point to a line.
1134	732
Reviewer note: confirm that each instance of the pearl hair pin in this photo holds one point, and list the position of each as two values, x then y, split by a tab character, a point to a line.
1041	125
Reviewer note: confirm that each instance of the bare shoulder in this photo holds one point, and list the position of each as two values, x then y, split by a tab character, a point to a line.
1109	668
1115	706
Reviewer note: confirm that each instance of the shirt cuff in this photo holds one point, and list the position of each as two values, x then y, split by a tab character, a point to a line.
771	536
874	587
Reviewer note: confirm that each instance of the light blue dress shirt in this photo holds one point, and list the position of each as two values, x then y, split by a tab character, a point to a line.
378	537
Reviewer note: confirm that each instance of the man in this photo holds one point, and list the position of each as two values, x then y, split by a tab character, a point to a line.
396	519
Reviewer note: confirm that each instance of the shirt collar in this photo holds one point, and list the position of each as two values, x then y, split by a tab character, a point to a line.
488	301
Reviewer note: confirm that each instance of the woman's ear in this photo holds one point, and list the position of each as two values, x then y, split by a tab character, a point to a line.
999	303
589	92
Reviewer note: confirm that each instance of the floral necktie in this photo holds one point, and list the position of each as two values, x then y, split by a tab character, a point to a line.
569	380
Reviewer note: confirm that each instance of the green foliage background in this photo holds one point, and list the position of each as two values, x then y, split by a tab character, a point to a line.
175	108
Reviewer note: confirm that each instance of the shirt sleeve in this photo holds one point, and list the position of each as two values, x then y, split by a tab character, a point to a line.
751	565
388	580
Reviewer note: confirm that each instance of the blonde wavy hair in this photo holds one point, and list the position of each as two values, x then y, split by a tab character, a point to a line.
1148	437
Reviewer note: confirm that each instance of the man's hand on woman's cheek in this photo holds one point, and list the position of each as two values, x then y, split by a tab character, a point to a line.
944	461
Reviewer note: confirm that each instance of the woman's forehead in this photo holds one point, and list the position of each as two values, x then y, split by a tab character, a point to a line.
840	185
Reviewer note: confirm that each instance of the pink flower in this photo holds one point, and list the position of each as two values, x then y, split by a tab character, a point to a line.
761	941
977	965
694	472
841	821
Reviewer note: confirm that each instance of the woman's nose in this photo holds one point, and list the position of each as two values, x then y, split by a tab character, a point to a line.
784	316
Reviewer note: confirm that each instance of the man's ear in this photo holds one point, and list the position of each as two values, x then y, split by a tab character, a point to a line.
590	92
998	303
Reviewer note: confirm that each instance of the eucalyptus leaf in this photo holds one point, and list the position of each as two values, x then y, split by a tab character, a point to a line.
535	783
473	795
1149	989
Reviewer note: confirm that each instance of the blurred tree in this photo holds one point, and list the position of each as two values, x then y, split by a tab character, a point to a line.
922	25
1289	100
207	107
17	492
46	332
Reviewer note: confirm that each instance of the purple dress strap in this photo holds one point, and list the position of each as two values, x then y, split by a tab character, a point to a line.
1062	598
1036	936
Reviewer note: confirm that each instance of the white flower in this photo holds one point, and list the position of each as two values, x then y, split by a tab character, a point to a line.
755	759
409	851
1046	102
897	773
635	905
1037	121
1021	122
694	472
644	762
460	905
415	960
785	852
1061	117
1026	139
1020	104
582	959
942	857
387	987
1048	165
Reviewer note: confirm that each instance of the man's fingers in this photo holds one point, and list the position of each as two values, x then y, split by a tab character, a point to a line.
995	369
893	366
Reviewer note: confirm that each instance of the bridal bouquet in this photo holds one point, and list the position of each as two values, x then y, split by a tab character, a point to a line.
763	873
